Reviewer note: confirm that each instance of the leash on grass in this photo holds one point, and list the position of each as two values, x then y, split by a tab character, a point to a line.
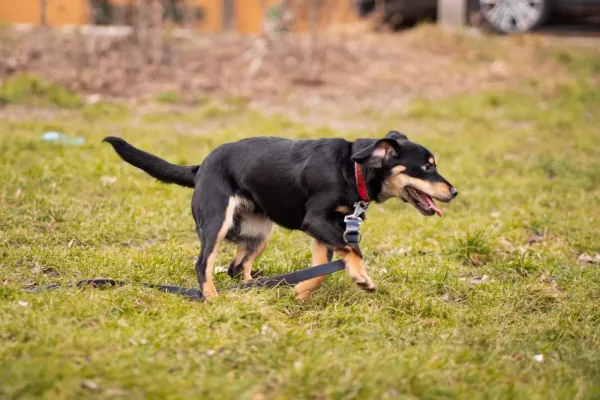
351	236
289	279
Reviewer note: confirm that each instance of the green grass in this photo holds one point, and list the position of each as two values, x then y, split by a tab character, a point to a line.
32	90
169	97
465	307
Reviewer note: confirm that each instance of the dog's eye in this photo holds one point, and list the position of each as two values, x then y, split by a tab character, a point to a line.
428	167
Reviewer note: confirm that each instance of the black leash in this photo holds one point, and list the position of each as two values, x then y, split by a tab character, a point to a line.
351	236
289	279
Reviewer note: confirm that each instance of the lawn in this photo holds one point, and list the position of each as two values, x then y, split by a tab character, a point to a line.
495	300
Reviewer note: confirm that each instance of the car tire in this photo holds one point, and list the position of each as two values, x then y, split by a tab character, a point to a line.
514	16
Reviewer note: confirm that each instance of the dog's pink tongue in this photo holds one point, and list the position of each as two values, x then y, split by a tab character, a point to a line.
433	206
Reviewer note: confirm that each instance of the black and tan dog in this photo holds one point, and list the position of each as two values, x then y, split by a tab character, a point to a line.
242	189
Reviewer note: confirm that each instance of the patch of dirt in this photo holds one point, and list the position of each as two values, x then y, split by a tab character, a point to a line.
349	72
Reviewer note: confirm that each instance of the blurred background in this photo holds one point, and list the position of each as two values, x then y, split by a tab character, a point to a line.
380	52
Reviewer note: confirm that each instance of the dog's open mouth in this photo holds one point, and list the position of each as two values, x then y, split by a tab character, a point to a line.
423	202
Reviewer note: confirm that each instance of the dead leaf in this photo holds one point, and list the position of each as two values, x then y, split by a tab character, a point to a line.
429	322
50	272
585	258
266	330
478	281
108	180
504	242
475	260
451	298
23	303
511	157
51	225
18	193
90	385
115	392
535	238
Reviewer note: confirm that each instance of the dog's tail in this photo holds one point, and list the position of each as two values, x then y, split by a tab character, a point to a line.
154	166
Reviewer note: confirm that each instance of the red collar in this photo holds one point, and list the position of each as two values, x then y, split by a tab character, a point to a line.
361	184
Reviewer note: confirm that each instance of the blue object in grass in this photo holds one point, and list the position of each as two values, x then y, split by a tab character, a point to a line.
57	137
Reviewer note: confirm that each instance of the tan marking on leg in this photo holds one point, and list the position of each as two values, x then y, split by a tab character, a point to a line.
208	288
356	269
304	289
249	261
343	209
239	255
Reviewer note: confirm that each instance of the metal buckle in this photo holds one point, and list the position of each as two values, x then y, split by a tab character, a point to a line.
359	208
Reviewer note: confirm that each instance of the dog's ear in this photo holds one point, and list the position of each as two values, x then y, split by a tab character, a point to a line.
374	155
396	135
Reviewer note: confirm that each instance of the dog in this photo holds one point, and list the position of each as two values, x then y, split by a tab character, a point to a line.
242	189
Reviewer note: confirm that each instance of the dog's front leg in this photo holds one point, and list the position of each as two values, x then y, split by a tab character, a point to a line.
355	267
331	233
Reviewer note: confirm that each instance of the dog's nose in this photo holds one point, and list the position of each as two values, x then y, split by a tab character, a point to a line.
453	191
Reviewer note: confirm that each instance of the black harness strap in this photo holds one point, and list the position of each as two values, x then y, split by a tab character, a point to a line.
288	279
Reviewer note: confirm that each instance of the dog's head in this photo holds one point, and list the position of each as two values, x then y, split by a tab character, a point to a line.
406	170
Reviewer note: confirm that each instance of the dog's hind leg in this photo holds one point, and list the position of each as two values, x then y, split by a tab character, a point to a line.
213	231
254	251
244	259
254	232
321	254
235	268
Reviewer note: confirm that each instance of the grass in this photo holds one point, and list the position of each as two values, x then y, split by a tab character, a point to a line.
467	307
29	89
169	97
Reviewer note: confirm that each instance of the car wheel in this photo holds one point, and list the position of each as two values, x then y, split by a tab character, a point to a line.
513	16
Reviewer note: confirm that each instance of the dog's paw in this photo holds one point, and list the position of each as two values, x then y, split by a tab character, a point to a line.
365	283
303	295
305	289
209	291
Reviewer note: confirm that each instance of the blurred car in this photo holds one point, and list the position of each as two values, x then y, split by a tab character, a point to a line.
505	16
508	16
398	13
